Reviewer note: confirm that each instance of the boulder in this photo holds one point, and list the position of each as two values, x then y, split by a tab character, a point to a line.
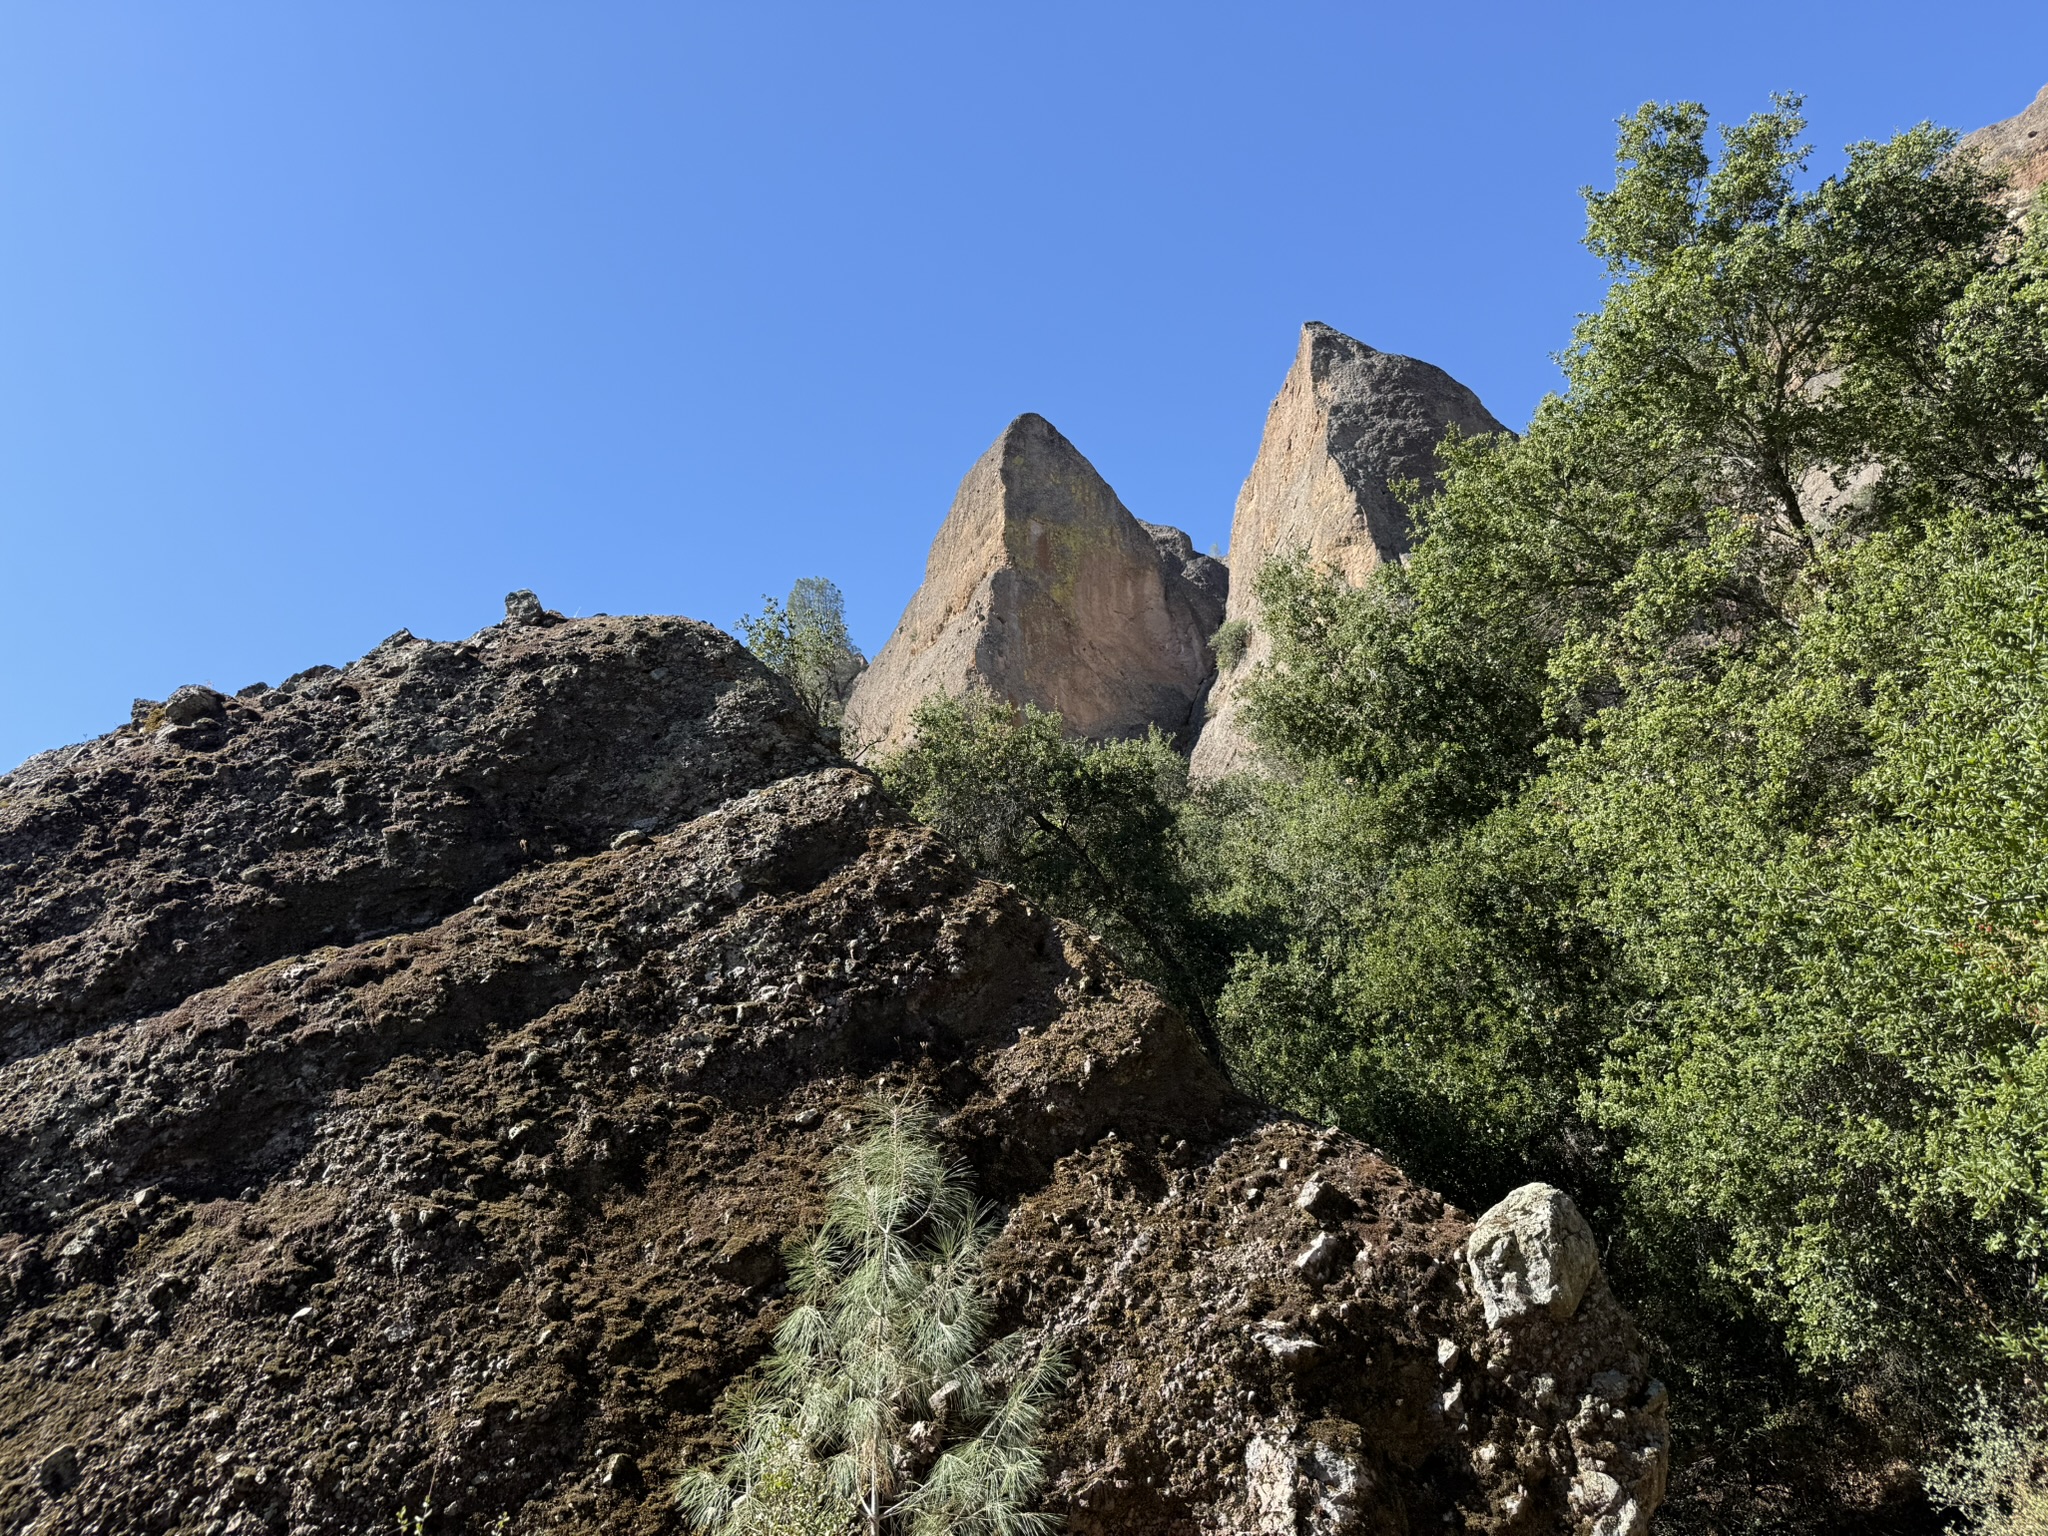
1349	422
1531	1252
1042	588
215	835
464	1159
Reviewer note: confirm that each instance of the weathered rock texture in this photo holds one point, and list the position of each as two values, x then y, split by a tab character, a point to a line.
2019	145
1348	423
216	834
467	1166
1532	1251
1041	588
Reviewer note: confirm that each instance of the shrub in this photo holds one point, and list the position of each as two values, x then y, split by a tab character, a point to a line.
1993	1480
1089	830
1229	642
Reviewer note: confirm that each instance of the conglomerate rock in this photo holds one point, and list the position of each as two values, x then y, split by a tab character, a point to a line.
1042	588
491	1206
1348	424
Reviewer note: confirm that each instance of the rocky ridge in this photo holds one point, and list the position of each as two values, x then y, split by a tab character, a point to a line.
466	1169
2018	146
1042	588
1349	423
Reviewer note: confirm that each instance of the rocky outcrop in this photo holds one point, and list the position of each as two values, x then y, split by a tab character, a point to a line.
1349	423
467	1169
2019	147
1042	588
214	835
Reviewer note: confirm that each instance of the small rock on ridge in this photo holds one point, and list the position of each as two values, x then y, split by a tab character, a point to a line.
1532	1251
522	611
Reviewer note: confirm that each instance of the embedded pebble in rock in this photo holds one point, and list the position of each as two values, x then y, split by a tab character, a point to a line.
58	1471
1320	1257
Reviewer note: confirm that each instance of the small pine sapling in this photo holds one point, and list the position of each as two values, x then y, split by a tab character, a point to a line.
883	1408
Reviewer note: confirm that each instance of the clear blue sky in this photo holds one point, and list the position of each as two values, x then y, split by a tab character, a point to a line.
318	320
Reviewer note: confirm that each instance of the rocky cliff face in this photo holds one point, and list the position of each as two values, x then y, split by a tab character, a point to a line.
2019	145
413	1071
1349	421
1042	588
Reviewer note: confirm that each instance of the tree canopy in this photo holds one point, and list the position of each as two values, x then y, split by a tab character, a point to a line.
1670	824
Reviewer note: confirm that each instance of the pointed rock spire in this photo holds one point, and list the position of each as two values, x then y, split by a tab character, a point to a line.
1042	588
1349	421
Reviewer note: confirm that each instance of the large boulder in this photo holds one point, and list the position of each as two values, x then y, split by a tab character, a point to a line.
1349	423
1042	588
1531	1252
490	1202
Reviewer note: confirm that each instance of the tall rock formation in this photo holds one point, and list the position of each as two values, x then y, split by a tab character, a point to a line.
411	1073
2018	145
1349	420
1041	588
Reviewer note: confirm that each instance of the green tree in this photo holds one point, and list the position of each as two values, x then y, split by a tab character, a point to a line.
1669	824
806	643
1089	830
884	1407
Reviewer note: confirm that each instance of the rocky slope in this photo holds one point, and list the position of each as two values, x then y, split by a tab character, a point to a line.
2019	146
1348	422
1042	588
412	1073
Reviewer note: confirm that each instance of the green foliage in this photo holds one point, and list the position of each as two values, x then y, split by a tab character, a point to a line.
1994	1479
1671	824
1229	642
1088	830
807	645
883	1407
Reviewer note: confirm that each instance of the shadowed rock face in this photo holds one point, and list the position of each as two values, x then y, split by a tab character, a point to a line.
494	1203
1349	421
1041	588
2019	145
216	834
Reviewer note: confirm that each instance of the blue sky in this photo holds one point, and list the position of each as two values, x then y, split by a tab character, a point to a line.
322	320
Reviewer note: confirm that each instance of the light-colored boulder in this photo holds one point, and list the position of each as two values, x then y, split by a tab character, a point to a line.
1533	1252
1348	423
1042	588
